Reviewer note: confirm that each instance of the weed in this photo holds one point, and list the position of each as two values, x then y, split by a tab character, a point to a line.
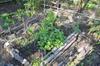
49	36
7	20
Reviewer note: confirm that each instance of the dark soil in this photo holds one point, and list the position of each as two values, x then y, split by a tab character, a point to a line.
8	7
92	59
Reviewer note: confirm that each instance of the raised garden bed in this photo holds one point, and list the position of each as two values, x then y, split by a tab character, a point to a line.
55	38
27	49
71	53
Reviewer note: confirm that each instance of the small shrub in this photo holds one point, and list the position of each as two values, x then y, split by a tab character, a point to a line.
32	6
7	20
29	37
49	36
36	62
95	28
90	5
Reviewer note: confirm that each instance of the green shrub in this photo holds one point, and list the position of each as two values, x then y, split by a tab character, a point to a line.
98	42
32	6
90	5
36	62
95	28
7	20
29	8
49	36
29	37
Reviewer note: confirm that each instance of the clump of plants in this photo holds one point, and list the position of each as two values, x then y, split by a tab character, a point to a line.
7	20
91	5
95	28
28	38
48	35
32	6
29	8
36	62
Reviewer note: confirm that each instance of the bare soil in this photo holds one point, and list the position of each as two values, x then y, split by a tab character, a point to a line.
8	7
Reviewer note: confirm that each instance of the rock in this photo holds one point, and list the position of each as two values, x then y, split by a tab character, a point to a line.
12	36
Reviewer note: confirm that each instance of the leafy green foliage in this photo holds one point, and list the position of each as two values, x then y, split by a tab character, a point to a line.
7	20
20	14
36	62
98	42
90	5
49	36
95	28
22	42
29	37
32	6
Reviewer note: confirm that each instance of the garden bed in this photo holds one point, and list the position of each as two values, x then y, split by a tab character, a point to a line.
29	37
27	50
75	49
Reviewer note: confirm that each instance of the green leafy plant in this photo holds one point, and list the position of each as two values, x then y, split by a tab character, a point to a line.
90	5
36	62
98	42
49	36
29	8
7	20
20	13
95	28
32	6
29	37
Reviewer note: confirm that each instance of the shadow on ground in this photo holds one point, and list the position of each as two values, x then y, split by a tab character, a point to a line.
93	59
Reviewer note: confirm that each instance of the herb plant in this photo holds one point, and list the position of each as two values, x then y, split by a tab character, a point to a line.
36	62
95	28
90	5
7	20
32	6
49	36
